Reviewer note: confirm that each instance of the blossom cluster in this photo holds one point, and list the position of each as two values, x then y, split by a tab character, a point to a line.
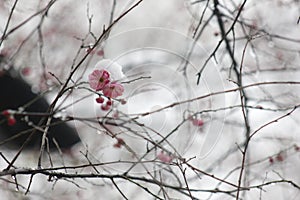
101	80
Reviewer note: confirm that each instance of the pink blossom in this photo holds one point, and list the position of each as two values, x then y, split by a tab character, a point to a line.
164	157
113	90
99	79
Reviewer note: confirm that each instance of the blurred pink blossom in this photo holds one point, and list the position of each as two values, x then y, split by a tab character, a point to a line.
98	79
164	157
198	122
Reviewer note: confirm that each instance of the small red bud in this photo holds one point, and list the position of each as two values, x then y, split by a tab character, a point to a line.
119	143
123	101
90	50
271	160
11	121
6	113
259	107
109	103
100	53
100	100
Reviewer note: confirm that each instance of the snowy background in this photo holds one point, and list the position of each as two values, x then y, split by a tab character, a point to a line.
162	45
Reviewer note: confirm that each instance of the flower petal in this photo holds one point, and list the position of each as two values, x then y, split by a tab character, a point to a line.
113	90
98	79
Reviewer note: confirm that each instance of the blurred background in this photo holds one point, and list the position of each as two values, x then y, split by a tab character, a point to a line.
209	109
